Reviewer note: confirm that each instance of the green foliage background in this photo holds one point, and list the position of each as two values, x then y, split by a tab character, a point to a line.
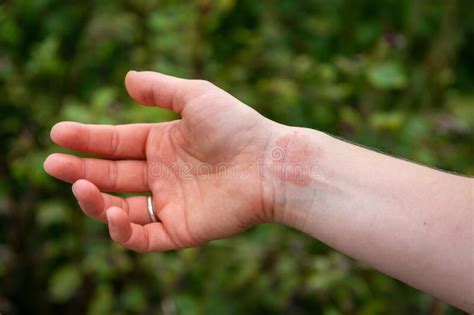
392	75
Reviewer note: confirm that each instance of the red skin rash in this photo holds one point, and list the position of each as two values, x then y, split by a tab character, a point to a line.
293	157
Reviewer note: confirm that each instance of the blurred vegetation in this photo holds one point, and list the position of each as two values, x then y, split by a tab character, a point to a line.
392	75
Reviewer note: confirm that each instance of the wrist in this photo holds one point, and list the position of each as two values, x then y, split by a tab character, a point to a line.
292	173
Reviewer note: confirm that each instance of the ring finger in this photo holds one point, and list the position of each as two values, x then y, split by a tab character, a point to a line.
94	203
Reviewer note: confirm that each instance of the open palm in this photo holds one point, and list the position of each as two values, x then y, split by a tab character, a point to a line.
203	170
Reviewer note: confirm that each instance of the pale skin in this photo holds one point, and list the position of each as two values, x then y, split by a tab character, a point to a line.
223	168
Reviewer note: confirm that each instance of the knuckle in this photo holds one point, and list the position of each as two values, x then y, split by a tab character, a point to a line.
115	141
149	92
203	85
153	93
113	174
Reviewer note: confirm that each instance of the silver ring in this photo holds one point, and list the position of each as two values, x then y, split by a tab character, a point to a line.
151	212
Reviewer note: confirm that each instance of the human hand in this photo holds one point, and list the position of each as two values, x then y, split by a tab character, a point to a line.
201	170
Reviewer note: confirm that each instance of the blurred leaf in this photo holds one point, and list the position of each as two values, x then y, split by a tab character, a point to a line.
387	121
102	302
64	283
52	212
133	298
387	76
44	59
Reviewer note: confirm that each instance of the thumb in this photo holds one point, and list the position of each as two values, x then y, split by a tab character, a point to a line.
156	89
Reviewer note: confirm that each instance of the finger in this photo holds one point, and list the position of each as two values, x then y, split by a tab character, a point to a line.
94	203
121	141
156	89
152	237
119	176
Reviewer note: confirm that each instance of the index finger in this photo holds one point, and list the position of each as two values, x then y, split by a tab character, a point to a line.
120	141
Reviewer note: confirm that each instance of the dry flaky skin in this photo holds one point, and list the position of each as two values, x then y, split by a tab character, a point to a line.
223	168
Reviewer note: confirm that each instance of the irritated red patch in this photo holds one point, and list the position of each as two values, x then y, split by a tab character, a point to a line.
293	159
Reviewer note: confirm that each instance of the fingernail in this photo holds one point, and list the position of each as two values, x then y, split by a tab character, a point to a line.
73	188
108	215
114	234
47	163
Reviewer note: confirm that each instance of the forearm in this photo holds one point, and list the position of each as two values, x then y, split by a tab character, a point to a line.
411	222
